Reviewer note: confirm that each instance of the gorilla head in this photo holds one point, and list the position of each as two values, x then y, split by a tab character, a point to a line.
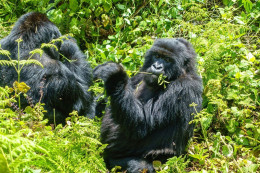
34	29
169	57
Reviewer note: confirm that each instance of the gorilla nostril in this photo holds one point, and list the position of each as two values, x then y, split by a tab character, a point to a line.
158	67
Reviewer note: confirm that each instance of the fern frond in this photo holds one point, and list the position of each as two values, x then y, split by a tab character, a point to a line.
35	51
5	102
10	114
61	38
93	141
4	162
5	52
49	45
31	61
56	40
66	36
8	63
3	92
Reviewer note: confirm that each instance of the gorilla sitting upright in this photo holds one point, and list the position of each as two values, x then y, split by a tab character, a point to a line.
147	121
64	81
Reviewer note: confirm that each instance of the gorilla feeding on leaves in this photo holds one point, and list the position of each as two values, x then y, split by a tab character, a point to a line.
147	121
63	82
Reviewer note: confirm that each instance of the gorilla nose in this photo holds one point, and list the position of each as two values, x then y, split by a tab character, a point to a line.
157	67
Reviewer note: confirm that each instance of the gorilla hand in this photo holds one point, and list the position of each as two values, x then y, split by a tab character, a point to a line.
107	70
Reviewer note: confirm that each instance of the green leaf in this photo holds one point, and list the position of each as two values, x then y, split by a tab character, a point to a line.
243	140
157	164
39	51
73	5
3	162
231	127
107	5
160	3
249	125
227	150
31	61
252	168
247	5
238	75
121	6
5	52
44	45
98	11
119	22
226	2
184	2
105	19
127	59
206	121
8	63
103	55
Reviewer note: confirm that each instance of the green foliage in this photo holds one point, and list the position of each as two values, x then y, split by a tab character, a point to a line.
162	81
174	164
225	35
19	64
30	145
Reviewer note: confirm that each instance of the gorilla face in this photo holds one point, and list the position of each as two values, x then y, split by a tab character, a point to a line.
157	64
170	57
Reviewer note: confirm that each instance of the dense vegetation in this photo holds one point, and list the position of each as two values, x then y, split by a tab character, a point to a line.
225	34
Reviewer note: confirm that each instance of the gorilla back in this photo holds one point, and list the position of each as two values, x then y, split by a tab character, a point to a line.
63	82
147	121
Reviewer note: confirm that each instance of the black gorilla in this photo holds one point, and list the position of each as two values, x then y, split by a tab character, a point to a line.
63	82
147	121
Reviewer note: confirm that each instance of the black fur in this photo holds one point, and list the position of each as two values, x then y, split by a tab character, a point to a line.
62	84
146	121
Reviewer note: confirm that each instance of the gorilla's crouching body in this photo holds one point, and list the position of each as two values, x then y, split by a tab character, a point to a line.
147	121
63	82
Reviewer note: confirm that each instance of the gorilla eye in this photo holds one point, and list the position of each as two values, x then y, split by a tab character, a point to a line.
168	59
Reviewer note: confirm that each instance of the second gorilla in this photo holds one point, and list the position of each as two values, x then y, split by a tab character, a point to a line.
64	81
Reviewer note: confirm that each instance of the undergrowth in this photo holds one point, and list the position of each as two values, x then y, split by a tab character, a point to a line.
225	35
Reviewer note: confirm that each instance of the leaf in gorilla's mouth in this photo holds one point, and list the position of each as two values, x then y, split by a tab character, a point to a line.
162	80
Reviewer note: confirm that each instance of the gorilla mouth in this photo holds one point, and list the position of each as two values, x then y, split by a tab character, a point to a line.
156	73
151	79
154	76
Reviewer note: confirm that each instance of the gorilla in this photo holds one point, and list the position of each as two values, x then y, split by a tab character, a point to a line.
64	81
147	121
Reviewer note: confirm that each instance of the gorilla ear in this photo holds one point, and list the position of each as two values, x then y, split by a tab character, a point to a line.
185	42
190	50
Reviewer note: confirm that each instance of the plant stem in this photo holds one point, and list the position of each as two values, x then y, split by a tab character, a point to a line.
18	73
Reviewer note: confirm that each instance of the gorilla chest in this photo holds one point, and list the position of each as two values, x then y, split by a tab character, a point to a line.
144	92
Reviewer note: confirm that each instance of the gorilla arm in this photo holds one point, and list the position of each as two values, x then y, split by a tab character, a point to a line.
127	110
